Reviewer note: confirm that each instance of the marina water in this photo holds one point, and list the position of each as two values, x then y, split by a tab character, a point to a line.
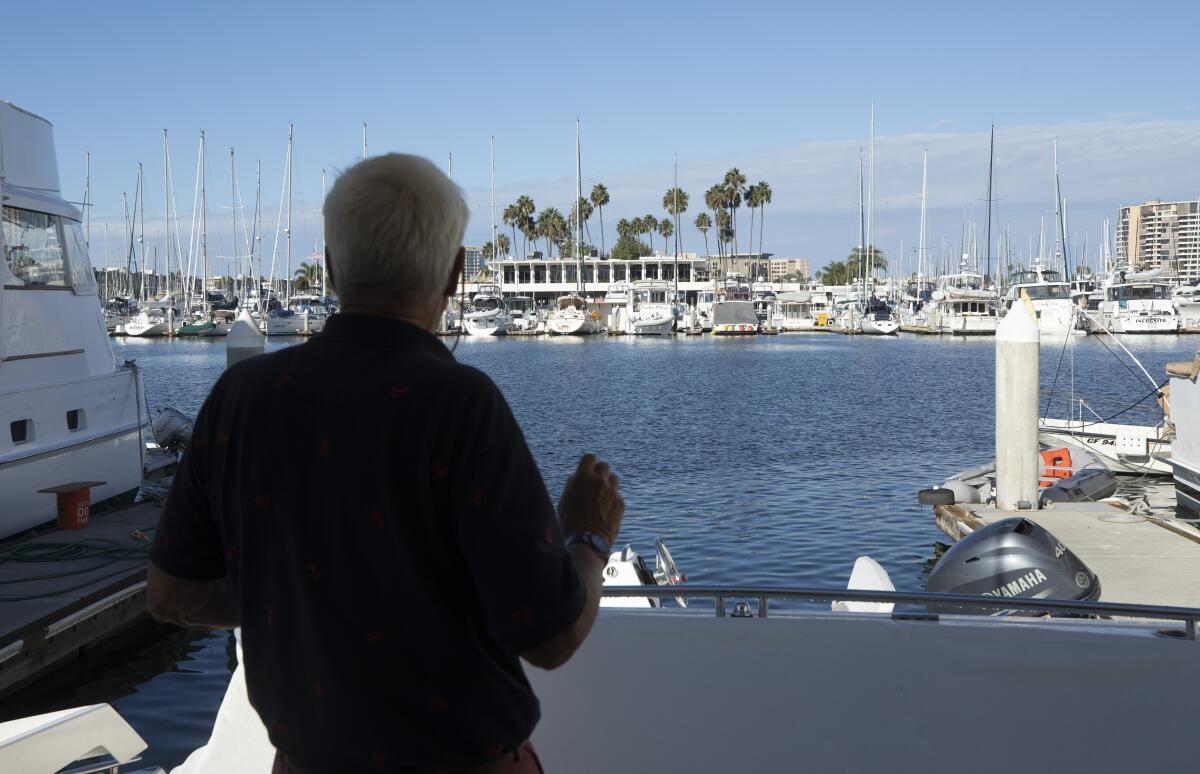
759	460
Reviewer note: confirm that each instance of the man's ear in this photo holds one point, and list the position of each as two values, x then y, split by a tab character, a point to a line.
329	270
460	262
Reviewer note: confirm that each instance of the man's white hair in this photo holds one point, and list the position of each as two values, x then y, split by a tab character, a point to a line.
394	223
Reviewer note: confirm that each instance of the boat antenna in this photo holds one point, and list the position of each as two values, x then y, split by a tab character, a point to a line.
364	152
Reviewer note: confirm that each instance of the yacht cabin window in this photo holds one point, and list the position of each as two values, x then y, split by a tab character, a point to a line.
1037	292
82	276
33	248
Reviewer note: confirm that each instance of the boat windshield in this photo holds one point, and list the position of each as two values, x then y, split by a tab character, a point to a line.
485	303
964	282
1037	292
1138	292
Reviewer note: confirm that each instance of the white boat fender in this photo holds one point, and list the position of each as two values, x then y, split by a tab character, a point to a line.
867	575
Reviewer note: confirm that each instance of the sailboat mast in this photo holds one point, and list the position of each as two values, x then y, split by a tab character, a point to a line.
578	214
492	159
233	209
287	285
870	198
364	151
166	214
141	202
1058	206
87	195
256	246
203	226
323	272
924	200
991	168
675	212
862	224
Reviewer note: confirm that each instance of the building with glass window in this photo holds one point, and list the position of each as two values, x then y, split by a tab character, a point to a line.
1160	234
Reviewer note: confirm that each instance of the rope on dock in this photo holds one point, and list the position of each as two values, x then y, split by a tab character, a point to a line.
108	552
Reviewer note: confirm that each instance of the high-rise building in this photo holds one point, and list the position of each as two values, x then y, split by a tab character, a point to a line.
473	262
1160	234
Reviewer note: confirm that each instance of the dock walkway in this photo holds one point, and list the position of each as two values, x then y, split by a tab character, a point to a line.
94	585
1153	562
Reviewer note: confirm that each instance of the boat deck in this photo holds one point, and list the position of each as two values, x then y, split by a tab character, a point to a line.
51	609
1154	561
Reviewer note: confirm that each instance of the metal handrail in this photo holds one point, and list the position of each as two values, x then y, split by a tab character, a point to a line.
1190	616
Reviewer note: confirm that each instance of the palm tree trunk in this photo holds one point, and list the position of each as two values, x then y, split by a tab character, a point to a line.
601	208
750	248
761	217
705	233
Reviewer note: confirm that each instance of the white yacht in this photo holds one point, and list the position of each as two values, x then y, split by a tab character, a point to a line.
962	306
1051	298
766	307
651	312
796	310
523	313
571	316
913	306
156	318
1138	303
72	411
733	310
1186	299
704	308
878	319
485	316
305	314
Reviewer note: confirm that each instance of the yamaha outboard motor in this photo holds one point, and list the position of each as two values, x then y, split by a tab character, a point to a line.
1012	558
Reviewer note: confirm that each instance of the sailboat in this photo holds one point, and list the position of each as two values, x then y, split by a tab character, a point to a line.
572	315
204	320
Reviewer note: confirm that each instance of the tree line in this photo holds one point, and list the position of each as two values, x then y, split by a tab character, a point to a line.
556	230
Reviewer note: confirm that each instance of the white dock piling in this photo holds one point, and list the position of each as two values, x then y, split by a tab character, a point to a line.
1017	345
244	340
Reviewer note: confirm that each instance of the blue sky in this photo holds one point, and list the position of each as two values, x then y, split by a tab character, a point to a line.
778	89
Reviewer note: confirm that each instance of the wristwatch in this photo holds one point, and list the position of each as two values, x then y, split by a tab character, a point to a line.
593	541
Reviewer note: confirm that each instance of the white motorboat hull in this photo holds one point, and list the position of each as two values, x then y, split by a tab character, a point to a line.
572	325
1142	323
1128	449
144	329
655	326
291	326
872	327
797	324
1125	681
1189	316
962	325
486	325
106	446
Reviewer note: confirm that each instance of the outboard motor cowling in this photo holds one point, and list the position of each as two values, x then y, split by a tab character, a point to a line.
1013	558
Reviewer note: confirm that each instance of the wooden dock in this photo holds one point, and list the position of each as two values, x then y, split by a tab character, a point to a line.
95	585
1153	561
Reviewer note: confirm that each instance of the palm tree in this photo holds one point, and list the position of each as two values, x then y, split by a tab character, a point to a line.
666	227
502	244
308	277
752	202
599	198
675	202
552	226
733	184
764	198
525	210
835	273
511	217
714	199
585	209
703	224
649	226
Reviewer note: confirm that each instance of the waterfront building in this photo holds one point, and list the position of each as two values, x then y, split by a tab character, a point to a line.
783	267
545	280
1160	234
473	260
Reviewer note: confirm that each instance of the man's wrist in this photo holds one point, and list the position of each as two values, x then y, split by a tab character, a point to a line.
599	544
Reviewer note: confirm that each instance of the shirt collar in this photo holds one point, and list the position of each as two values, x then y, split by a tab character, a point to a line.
382	331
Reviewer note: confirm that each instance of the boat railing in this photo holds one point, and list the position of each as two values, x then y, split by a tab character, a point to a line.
984	605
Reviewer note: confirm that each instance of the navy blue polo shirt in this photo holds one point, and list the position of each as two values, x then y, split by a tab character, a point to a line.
390	542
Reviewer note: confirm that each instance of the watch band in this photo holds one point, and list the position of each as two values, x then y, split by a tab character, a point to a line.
593	541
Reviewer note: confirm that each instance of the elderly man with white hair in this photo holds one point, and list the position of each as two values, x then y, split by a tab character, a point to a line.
367	510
